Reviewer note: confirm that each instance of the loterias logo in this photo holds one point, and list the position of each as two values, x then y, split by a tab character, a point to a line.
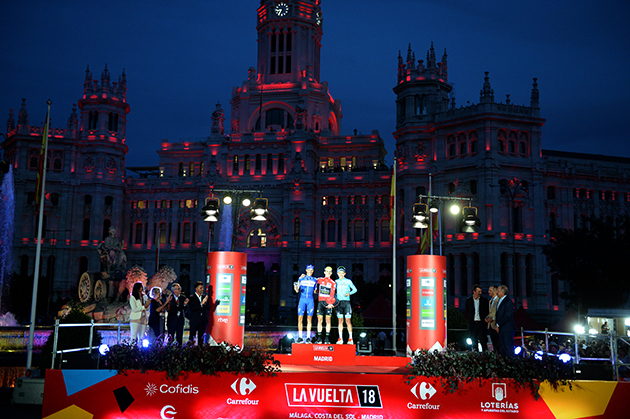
332	395
423	391
501	405
243	387
151	389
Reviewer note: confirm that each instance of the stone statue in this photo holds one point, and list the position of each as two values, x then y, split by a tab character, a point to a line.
113	257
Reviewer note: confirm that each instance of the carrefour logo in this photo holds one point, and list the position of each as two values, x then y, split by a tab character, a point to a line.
423	391
243	386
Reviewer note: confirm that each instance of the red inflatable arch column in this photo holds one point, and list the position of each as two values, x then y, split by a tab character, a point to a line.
425	280
227	276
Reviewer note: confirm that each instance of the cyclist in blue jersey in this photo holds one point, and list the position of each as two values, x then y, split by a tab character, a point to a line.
305	286
345	288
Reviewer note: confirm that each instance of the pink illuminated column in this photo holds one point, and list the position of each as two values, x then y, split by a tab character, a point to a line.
425	279
227	274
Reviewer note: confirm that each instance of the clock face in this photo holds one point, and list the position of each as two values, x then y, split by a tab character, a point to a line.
282	9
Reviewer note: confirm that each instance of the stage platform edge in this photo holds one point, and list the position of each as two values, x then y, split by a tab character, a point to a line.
336	355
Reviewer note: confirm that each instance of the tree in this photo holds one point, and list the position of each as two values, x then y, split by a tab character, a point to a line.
592	261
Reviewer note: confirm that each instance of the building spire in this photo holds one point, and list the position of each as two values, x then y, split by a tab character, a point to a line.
23	115
487	94
535	98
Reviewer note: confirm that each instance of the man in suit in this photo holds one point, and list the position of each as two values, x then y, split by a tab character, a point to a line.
476	311
176	309
505	322
199	308
491	319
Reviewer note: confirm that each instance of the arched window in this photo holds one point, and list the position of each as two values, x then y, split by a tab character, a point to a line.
358	230
385	230
107	223
138	233
85	234
331	231
269	163
296	229
258	167
186	233
281	164
235	164
502	142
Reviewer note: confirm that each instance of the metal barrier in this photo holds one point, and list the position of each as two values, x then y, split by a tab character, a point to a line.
576	358
88	348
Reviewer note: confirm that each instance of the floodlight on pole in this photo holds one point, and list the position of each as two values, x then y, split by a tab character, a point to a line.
259	209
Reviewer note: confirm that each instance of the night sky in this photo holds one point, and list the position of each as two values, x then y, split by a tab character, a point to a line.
181	58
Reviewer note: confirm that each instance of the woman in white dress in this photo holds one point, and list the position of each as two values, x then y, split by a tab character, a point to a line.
138	319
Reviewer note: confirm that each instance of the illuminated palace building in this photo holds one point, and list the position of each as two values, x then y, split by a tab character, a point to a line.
328	193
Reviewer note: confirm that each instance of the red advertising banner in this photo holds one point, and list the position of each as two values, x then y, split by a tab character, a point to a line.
227	272
426	314
105	394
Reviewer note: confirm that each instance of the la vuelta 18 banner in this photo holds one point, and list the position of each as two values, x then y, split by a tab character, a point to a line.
75	394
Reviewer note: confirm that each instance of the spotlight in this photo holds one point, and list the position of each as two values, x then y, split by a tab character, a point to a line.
246	202
420	216
592	331
579	329
103	349
364	345
145	343
454	209
538	355
470	222
227	199
469	341
284	346
566	358
518	350
259	209
434	205
211	210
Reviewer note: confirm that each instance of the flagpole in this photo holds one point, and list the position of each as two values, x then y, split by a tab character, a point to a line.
31	328
430	216
394	290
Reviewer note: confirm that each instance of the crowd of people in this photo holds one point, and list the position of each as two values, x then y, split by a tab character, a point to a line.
148	313
494	317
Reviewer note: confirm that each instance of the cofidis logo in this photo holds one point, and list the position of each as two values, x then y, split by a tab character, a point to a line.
152	389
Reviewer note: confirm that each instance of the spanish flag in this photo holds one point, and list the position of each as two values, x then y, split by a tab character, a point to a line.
42	158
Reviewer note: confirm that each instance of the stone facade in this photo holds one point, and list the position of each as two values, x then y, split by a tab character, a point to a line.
328	194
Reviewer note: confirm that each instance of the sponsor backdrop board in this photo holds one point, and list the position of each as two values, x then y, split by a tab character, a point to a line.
227	274
103	394
426	313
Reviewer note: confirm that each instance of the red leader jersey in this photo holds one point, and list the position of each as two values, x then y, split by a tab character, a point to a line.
327	287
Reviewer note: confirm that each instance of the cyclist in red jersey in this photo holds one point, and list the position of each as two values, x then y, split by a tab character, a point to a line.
326	291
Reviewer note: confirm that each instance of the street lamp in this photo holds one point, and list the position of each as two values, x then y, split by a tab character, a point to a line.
210	211
470	222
